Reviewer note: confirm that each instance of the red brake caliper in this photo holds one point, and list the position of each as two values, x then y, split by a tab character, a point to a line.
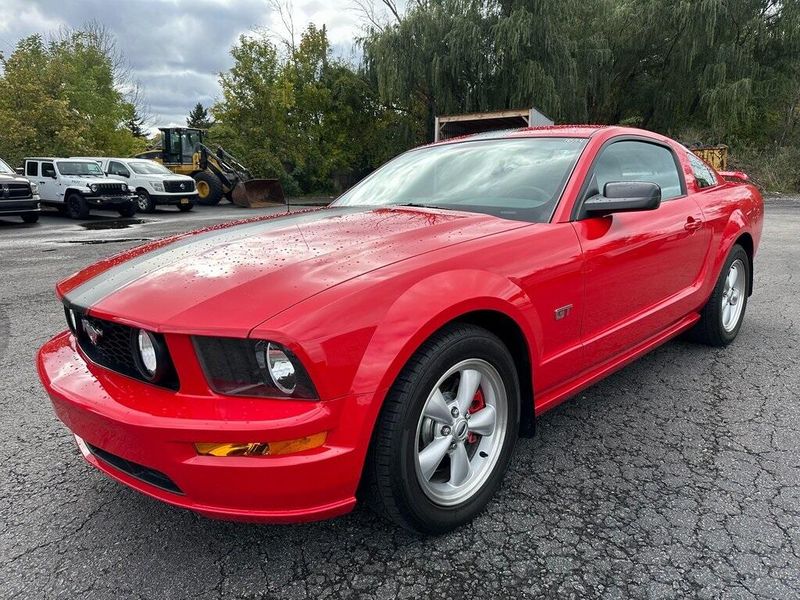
478	402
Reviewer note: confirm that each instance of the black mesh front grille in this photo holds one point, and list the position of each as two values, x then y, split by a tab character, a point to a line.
112	346
142	473
176	187
111	189
15	190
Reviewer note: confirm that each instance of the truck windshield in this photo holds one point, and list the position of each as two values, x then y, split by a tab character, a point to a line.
513	178
5	169
79	168
148	167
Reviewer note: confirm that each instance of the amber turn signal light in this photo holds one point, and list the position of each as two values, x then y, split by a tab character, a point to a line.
262	448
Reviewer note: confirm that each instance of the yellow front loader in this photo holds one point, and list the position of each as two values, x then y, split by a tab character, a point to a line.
217	173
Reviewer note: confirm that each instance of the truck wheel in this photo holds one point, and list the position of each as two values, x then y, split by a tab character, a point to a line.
722	316
32	218
185	207
209	188
127	211
77	208
145	202
446	432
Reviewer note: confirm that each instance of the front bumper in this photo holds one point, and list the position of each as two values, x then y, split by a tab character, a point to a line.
174	199
15	208
111	201
156	429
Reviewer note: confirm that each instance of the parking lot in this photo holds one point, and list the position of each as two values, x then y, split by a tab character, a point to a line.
677	477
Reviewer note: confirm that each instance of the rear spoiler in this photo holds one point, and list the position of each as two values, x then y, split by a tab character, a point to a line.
735	176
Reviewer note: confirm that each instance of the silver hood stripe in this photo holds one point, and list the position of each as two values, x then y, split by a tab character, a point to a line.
94	290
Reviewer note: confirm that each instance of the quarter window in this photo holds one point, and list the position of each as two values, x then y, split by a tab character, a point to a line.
638	161
703	174
32	169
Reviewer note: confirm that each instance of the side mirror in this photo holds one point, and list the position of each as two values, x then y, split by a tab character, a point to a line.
623	196
19	171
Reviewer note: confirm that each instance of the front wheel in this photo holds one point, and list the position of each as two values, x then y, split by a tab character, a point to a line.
722	317
127	211
77	207
446	432
144	202
185	207
31	218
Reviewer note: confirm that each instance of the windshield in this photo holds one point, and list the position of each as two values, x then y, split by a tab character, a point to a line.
5	169
74	167
512	178
148	167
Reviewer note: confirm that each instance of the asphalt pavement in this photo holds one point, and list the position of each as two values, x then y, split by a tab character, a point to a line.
677	477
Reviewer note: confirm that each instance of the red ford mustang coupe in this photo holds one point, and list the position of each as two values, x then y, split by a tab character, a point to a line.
398	342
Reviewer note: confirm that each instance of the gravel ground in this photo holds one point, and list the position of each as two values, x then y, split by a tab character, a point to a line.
677	477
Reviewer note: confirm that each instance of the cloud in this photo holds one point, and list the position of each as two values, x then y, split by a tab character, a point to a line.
176	48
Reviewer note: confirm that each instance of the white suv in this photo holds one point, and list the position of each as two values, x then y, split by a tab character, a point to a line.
153	183
75	186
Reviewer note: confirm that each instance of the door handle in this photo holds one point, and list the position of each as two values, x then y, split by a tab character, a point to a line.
693	224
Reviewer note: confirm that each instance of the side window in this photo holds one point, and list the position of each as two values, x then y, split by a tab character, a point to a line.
32	168
48	170
638	161
115	168
703	174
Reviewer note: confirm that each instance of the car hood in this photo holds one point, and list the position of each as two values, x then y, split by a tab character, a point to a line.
85	180
164	177
228	279
8	178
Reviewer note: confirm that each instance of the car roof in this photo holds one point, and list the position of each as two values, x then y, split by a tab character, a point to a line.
84	158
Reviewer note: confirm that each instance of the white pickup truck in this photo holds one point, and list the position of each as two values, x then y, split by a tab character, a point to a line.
152	182
75	186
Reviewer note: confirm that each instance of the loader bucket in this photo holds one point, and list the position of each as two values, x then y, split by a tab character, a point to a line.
258	193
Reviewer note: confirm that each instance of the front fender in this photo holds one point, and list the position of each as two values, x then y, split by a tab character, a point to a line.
426	307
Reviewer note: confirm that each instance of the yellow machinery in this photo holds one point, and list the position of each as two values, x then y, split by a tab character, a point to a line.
216	173
716	156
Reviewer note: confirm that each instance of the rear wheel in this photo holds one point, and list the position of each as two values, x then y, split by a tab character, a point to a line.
185	207
31	218
77	207
144	202
209	188
446	432
722	317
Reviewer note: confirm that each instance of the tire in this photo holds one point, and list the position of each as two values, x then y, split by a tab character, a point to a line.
144	203
209	188
127	211
77	207
32	218
719	326
185	207
402	482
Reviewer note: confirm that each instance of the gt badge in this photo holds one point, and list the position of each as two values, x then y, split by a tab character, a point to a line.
563	312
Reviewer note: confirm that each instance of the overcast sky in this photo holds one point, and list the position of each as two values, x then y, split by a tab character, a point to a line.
176	48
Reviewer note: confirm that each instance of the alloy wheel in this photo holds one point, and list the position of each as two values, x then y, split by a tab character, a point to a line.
733	295
460	432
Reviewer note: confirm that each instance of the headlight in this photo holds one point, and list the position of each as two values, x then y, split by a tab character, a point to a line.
35	189
280	368
93	188
150	356
72	319
159	187
124	187
260	368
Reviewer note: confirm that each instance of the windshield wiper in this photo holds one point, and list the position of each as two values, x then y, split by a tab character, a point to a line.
419	205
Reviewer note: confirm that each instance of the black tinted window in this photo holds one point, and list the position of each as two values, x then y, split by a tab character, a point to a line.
48	170
115	168
638	161
702	172
32	169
